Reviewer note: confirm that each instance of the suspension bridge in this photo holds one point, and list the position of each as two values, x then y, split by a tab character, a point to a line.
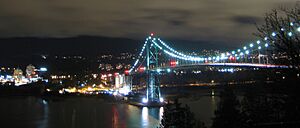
156	56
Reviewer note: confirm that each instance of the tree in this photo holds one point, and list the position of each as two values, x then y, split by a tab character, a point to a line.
176	116
228	112
262	108
281	31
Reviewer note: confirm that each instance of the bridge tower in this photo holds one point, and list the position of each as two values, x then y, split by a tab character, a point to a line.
153	91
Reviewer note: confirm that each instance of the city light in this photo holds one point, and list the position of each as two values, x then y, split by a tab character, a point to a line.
142	69
173	63
298	29
168	70
126	72
43	69
158	70
273	34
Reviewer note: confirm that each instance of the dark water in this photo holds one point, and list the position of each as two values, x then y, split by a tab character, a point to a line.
31	112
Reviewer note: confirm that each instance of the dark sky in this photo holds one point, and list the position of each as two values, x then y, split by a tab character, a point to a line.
225	22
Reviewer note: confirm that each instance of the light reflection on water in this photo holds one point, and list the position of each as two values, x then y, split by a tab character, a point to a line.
75	113
150	115
203	107
161	112
144	117
85	112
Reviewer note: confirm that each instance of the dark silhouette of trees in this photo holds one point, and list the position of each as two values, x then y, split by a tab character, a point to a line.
262	108
275	105
281	31
176	116
228	112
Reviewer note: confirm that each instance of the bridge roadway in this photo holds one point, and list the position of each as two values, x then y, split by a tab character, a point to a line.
196	65
250	65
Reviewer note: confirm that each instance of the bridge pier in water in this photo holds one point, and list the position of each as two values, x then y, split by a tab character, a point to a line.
153	92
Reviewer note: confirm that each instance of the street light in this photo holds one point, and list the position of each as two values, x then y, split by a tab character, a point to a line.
168	70
259	47
266	45
290	34
158	70
251	45
247	52
258	42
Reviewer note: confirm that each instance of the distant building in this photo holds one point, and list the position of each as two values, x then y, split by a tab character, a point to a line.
31	72
18	75
119	80
119	66
108	67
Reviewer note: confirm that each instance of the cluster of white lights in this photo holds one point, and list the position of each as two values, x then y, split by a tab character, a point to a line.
236	53
239	52
258	42
170	51
176	55
245	50
140	55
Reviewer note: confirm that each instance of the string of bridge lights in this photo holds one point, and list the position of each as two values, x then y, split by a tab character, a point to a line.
182	56
140	55
235	53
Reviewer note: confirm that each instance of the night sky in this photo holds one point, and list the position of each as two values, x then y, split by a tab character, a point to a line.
221	22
